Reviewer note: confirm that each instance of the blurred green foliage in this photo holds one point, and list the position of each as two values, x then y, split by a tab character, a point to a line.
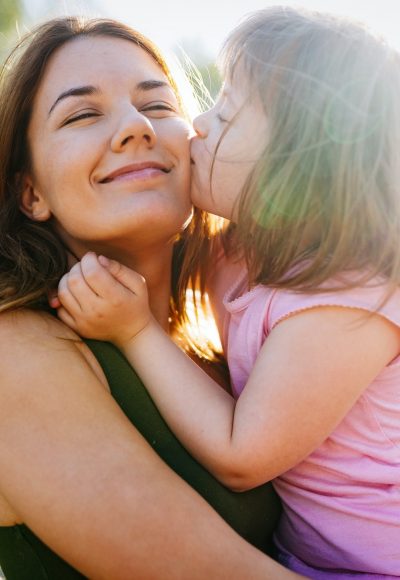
211	78
10	12
200	68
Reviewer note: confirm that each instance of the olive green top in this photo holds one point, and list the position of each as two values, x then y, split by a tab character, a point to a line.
252	514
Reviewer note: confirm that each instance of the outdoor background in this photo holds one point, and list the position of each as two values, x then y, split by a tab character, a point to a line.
194	28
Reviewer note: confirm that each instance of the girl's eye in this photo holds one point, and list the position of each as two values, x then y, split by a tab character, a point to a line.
85	115
221	119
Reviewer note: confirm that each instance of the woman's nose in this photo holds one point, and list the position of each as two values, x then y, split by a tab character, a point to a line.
133	128
200	124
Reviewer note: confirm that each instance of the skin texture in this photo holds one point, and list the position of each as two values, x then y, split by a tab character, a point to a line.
88	134
73	468
134	219
229	139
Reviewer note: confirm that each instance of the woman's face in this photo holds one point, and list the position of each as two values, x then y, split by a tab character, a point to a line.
109	148
230	139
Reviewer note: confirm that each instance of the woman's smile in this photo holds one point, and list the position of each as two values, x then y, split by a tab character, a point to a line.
145	171
107	109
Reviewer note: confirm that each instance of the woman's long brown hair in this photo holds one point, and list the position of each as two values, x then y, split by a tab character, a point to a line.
32	256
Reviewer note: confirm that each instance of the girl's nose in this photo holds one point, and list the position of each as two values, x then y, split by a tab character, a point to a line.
200	124
133	128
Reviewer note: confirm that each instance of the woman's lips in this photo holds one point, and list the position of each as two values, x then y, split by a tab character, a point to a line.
137	174
137	171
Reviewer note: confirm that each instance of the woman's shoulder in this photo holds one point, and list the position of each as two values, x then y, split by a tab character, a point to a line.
29	337
18	325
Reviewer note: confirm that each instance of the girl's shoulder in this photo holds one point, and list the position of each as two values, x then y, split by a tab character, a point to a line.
375	296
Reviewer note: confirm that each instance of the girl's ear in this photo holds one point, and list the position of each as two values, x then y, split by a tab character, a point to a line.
32	203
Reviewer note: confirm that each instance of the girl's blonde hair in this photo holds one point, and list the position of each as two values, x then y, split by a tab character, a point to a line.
325	192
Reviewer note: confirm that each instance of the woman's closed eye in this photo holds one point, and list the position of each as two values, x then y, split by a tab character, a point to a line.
159	108
81	115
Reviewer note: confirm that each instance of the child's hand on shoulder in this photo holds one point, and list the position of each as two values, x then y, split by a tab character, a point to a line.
102	299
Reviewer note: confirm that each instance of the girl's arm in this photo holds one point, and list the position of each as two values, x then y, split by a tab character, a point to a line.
309	373
74	469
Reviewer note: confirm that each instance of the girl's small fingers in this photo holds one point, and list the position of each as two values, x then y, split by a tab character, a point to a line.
87	295
125	276
53	299
54	302
101	278
67	298
66	317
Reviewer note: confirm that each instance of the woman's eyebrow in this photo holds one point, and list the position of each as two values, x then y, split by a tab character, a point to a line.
152	84
90	90
74	92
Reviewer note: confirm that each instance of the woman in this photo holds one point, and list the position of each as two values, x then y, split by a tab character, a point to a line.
94	156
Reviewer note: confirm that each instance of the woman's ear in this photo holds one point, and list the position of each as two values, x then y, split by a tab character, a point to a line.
32	203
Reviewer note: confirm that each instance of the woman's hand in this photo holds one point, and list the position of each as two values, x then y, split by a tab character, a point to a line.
100	298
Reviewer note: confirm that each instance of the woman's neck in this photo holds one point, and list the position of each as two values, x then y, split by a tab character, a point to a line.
155	267
154	264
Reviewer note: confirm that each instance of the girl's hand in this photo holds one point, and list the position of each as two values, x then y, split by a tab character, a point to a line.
100	298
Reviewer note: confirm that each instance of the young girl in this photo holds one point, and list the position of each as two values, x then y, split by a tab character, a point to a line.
302	153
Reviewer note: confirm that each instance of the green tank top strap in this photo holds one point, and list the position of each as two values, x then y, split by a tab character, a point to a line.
24	557
253	514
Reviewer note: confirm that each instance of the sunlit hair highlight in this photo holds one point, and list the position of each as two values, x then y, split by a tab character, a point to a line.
325	192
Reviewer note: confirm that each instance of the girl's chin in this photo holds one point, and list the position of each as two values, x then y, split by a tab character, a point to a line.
198	198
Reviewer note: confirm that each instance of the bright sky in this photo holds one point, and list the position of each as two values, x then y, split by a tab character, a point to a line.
201	25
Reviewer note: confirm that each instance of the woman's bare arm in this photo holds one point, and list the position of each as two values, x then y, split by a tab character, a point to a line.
84	480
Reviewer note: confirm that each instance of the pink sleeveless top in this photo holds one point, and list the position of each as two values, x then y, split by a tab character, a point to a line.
342	504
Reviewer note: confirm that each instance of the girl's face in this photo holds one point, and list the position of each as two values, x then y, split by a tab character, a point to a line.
230	139
109	148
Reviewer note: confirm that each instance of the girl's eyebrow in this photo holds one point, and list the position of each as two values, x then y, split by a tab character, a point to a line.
226	93
91	90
